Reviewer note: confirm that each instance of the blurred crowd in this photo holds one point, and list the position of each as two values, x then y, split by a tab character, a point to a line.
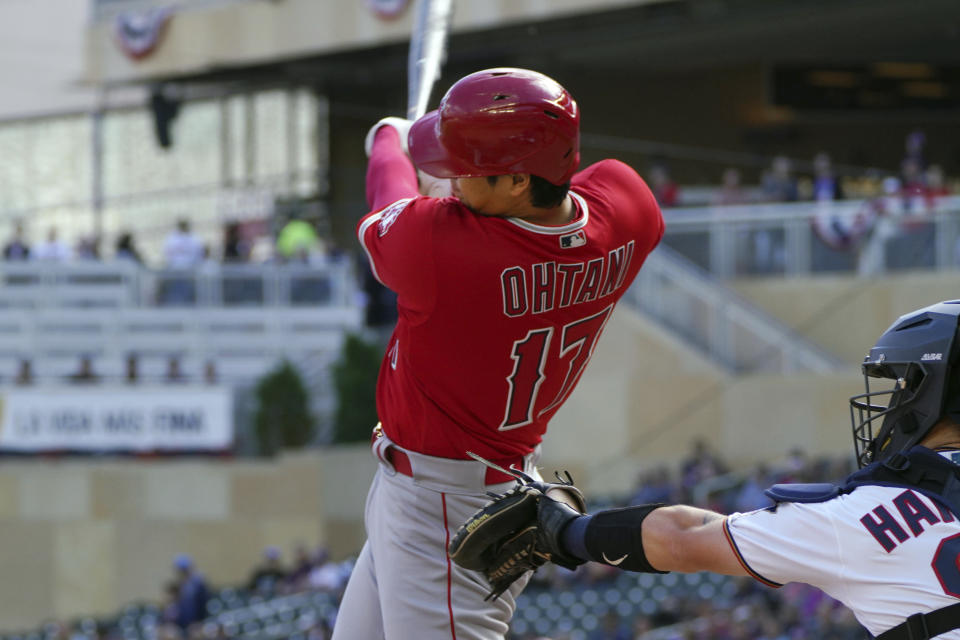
298	241
917	185
187	596
754	612
914	188
86	372
747	611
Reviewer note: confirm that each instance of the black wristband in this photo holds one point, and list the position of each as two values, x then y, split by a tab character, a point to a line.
615	538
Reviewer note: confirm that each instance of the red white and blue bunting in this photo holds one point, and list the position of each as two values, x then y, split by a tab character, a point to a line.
388	9
139	33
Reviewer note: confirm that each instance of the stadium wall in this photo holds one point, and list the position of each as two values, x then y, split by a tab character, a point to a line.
85	536
843	314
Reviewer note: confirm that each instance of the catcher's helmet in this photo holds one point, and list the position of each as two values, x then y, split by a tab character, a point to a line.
500	121
919	353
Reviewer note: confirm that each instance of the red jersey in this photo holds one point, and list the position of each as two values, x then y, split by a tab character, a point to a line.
498	317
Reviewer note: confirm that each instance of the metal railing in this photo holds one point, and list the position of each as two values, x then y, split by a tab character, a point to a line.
218	323
866	237
689	302
121	283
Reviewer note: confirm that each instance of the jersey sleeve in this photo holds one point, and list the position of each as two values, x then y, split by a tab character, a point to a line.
390	173
398	241
789	543
629	195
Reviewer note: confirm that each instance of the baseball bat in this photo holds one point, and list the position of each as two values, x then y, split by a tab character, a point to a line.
427	52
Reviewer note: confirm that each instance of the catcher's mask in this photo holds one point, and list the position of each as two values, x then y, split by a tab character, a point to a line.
916	357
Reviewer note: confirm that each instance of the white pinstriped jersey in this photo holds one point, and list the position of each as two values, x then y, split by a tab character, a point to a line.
885	552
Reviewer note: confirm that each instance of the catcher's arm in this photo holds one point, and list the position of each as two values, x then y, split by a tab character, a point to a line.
688	539
654	539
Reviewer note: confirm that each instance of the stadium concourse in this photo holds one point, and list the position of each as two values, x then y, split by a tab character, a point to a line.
296	598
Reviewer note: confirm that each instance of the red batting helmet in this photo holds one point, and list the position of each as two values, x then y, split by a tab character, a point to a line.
500	121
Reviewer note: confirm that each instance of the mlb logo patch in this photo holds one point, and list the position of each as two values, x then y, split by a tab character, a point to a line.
572	240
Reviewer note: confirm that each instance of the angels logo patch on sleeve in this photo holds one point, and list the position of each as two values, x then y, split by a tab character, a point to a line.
389	215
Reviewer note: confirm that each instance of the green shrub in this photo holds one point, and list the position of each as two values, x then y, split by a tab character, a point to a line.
283	418
355	379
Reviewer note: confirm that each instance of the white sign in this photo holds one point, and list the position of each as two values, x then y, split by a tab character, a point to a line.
94	418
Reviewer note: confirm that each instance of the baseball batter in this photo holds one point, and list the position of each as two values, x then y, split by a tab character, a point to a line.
503	289
886	543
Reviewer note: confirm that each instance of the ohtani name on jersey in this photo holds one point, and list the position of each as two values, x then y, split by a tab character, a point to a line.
543	286
889	531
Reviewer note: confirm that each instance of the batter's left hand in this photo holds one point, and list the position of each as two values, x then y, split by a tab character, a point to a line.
433	186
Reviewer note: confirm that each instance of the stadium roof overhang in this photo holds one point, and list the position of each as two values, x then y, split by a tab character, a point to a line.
645	39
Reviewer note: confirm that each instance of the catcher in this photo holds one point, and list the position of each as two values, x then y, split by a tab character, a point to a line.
886	543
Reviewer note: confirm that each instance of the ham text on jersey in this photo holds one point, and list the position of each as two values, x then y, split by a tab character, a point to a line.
544	286
888	531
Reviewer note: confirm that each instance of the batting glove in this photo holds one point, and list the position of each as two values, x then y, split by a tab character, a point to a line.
433	186
402	125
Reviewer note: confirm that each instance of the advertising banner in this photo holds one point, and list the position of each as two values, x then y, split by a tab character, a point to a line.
99	419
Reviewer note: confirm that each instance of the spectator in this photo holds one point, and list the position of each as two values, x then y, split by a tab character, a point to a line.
302	566
914	146
168	610
52	249
88	248
191	592
210	372
320	631
174	373
654	486
325	575
778	183
641	625
611	628
730	191
84	373
664	189
16	248
936	186
25	373
751	495
913	188
182	249
236	248
701	464
796	467
132	372
826	186
298	241
126	248
268	574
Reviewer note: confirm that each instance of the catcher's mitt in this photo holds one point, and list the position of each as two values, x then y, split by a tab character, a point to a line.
506	539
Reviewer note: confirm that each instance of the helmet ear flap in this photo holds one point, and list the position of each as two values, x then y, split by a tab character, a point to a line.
908	423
